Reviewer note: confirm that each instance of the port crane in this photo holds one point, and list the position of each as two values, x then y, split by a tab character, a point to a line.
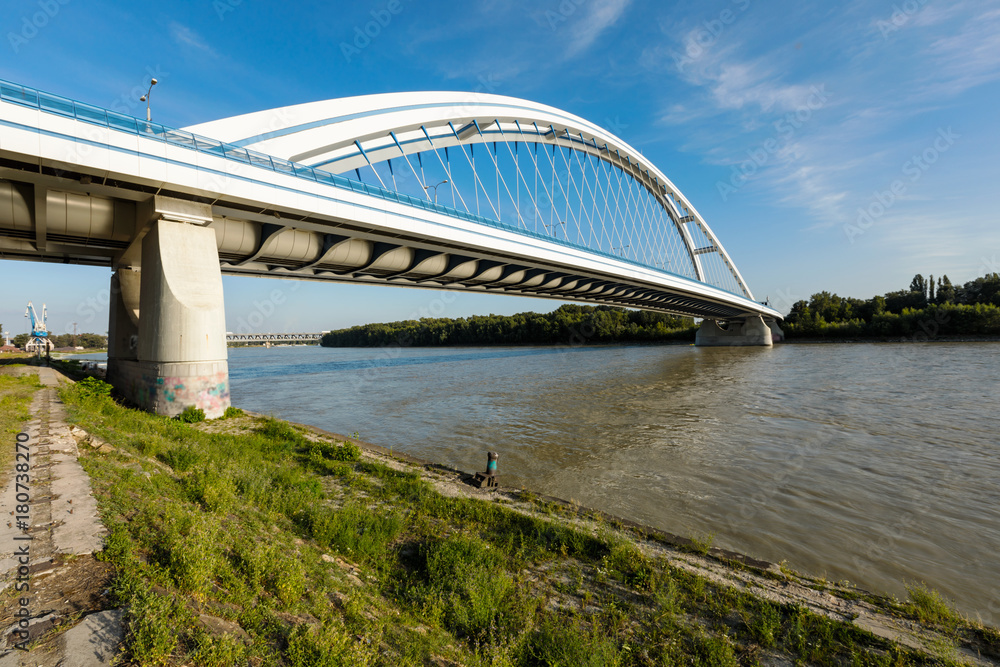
39	330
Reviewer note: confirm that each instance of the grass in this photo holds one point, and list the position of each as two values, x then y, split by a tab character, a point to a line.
929	606
323	556
15	400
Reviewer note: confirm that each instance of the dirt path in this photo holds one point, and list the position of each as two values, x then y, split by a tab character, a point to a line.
52	588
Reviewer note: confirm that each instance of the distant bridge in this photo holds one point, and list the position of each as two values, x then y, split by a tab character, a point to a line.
274	337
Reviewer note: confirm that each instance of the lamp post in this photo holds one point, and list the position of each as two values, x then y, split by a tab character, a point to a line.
557	224
145	98
428	187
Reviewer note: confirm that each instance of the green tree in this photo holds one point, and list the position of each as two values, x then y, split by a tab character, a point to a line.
919	286
21	339
945	291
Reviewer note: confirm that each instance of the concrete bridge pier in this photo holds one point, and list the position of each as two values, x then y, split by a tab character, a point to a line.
749	331
167	330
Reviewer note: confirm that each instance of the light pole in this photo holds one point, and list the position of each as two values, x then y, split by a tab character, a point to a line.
557	224
621	247
428	187
145	98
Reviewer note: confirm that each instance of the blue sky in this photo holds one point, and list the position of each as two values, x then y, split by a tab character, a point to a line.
843	148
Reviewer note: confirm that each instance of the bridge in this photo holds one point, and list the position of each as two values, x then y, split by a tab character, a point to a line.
449	191
273	337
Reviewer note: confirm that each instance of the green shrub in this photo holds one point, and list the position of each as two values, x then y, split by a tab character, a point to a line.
191	415
354	530
327	646
280	431
347	451
479	599
567	642
151	628
232	413
91	387
929	606
289	580
214	491
181	459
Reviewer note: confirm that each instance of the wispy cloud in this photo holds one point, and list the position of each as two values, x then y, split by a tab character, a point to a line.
599	15
187	37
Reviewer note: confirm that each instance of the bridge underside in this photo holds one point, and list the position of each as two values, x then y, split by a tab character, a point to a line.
73	218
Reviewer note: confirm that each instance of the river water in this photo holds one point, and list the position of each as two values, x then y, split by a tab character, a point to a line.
874	463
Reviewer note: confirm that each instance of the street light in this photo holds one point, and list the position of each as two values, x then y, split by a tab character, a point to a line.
557	224
428	187
145	98
621	247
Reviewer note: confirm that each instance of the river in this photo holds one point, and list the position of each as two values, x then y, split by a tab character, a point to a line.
873	463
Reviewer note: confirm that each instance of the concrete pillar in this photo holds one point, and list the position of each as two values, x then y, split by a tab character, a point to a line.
751	331
123	325
167	347
777	335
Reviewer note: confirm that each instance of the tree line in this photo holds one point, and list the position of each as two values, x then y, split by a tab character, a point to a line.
85	340
926	309
567	325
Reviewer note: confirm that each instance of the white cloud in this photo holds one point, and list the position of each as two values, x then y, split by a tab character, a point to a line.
600	15
185	36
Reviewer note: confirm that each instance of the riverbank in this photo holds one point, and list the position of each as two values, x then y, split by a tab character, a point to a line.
254	540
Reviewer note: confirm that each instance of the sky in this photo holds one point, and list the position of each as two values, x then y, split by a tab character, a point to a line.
838	146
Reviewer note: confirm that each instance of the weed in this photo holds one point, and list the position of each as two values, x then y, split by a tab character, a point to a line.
353	530
214	491
929	606
701	544
763	621
627	564
569	641
479	599
281	432
150	628
191	415
93	388
232	412
347	451
329	645
181	458
289	580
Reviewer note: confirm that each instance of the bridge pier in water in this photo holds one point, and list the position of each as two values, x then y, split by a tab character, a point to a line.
167	329
751	331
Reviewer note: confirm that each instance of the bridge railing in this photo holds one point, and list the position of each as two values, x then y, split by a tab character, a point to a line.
46	102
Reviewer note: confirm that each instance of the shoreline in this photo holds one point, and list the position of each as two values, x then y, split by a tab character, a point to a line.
344	543
874	612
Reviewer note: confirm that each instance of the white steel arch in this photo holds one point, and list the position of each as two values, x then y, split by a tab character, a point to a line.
348	134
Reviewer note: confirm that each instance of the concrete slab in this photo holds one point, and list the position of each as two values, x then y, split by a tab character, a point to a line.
81	531
93	642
